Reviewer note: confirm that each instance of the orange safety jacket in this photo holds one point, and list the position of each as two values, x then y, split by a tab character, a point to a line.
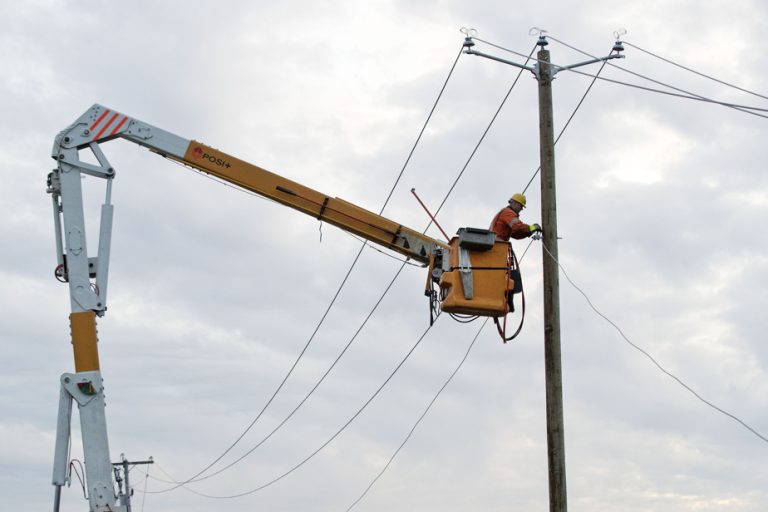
507	224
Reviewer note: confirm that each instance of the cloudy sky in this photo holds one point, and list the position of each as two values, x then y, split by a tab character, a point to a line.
662	207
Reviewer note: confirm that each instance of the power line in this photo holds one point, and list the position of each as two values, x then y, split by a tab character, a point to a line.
482	138
568	122
704	75
401	268
649	356
443	202
311	391
682	92
195	478
326	443
423	128
423	414
333	300
742	108
431	403
405	261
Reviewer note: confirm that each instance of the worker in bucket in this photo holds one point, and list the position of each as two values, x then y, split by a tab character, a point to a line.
507	224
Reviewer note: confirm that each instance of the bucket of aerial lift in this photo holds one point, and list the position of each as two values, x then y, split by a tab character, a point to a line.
476	280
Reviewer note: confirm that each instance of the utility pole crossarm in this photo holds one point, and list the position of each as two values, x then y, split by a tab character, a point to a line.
556	68
499	59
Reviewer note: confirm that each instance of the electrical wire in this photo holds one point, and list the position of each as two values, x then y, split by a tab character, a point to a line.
685	95
681	93
650	357
80	474
405	261
195	477
333	300
423	414
755	111
326	443
479	142
423	128
429	406
668	61
570	118
311	391
144	494
375	394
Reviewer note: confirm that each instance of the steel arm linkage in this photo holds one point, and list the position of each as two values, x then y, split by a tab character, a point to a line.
88	279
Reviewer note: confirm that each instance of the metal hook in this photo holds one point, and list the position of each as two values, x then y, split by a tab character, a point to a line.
469	32
536	31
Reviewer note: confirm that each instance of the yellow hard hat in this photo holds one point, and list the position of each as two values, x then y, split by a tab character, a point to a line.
520	198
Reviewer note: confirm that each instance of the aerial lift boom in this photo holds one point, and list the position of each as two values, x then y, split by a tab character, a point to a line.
472	272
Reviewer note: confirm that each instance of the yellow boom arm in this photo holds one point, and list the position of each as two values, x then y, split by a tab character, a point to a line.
345	215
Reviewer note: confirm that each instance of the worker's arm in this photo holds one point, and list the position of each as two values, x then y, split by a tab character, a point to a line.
520	229
517	229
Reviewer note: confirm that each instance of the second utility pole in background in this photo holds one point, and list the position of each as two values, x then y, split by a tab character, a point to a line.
558	500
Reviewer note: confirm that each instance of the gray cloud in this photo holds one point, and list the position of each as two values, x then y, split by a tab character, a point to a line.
213	293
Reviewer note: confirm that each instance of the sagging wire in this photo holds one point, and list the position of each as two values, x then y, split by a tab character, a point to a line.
482	138
326	443
513	272
146	481
685	94
311	391
650	357
568	122
418	421
704	75
196	477
406	261
80	474
338	291
681	93
463	319
466	165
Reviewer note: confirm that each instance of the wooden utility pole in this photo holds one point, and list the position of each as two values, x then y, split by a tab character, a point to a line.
558	501
544	72
124	498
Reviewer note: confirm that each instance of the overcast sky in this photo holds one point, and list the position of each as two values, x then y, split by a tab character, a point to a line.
662	207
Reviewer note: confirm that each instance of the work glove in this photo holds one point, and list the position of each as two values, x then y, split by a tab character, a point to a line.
535	232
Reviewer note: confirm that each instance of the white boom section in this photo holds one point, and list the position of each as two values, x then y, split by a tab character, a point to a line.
75	266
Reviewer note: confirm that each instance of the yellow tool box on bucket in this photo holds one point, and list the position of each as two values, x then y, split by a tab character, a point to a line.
475	279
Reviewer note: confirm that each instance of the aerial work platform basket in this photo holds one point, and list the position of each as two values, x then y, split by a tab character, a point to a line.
476	278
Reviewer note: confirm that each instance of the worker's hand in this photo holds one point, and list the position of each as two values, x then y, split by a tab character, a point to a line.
535	228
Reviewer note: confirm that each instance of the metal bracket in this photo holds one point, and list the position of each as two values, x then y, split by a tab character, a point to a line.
465	271
536	68
81	387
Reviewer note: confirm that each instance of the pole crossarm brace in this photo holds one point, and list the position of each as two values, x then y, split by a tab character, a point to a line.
470	51
536	68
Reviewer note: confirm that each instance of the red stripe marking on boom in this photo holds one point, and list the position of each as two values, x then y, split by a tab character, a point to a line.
101	117
111	120
119	125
